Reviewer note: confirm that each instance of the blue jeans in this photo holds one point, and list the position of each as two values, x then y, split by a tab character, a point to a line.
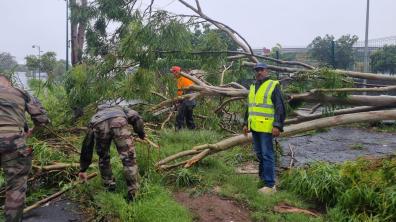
264	149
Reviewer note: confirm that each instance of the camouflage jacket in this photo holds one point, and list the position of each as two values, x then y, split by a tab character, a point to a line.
108	112
105	113
14	103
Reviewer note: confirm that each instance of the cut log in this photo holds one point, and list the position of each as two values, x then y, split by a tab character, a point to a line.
375	89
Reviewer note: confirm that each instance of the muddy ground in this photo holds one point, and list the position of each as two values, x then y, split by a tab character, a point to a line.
338	145
212	208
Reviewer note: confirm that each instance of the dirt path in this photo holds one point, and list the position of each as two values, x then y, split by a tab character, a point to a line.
59	210
338	145
212	208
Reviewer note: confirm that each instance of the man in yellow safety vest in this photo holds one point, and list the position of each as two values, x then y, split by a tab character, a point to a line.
265	118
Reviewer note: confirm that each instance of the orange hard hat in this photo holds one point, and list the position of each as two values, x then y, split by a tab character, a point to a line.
175	69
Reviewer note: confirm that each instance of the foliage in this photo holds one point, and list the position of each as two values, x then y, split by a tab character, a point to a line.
323	78
321	49
384	59
47	63
140	57
358	191
7	62
54	99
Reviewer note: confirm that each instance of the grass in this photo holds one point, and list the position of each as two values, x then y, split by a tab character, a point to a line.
49	183
219	172
155	202
363	190
355	191
357	146
387	128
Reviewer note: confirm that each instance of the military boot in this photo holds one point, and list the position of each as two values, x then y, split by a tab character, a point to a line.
111	187
130	197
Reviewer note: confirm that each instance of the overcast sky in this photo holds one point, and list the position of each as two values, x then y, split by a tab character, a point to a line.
262	22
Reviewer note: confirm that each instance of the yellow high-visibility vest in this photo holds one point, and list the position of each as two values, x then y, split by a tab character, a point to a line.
261	109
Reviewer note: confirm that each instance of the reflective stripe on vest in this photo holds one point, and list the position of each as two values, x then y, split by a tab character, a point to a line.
261	109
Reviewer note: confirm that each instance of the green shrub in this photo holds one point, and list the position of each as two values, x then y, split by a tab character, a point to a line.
361	190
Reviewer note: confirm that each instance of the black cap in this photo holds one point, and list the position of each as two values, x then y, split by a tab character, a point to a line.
260	66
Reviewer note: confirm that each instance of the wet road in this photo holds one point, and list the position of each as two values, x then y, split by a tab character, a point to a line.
338	145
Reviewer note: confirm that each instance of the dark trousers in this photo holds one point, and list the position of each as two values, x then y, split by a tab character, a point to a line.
185	115
264	149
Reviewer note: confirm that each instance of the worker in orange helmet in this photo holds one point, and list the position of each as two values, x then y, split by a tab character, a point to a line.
184	107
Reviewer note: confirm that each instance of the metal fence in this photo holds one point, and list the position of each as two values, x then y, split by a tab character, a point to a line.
358	49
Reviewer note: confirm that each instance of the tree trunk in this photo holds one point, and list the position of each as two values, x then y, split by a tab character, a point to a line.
73	32
302	118
78	25
202	151
81	32
352	100
352	74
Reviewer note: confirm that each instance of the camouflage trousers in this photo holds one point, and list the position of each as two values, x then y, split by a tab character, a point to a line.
116	129
16	161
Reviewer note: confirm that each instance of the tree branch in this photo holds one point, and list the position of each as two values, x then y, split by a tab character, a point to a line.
244	45
201	151
352	100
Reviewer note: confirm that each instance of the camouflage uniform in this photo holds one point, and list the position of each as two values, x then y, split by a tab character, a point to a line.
111	123
15	156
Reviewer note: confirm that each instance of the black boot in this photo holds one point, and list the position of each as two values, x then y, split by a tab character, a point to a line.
111	187
130	197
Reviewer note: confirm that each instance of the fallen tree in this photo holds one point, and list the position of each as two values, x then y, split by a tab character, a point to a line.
200	152
336	96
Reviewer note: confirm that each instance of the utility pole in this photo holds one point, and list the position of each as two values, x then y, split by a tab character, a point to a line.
366	59
333	63
67	35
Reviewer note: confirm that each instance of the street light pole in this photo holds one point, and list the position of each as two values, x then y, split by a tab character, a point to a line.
366	59
39	58
67	35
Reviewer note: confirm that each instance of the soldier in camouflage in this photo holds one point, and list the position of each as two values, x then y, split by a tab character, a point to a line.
111	123
15	156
